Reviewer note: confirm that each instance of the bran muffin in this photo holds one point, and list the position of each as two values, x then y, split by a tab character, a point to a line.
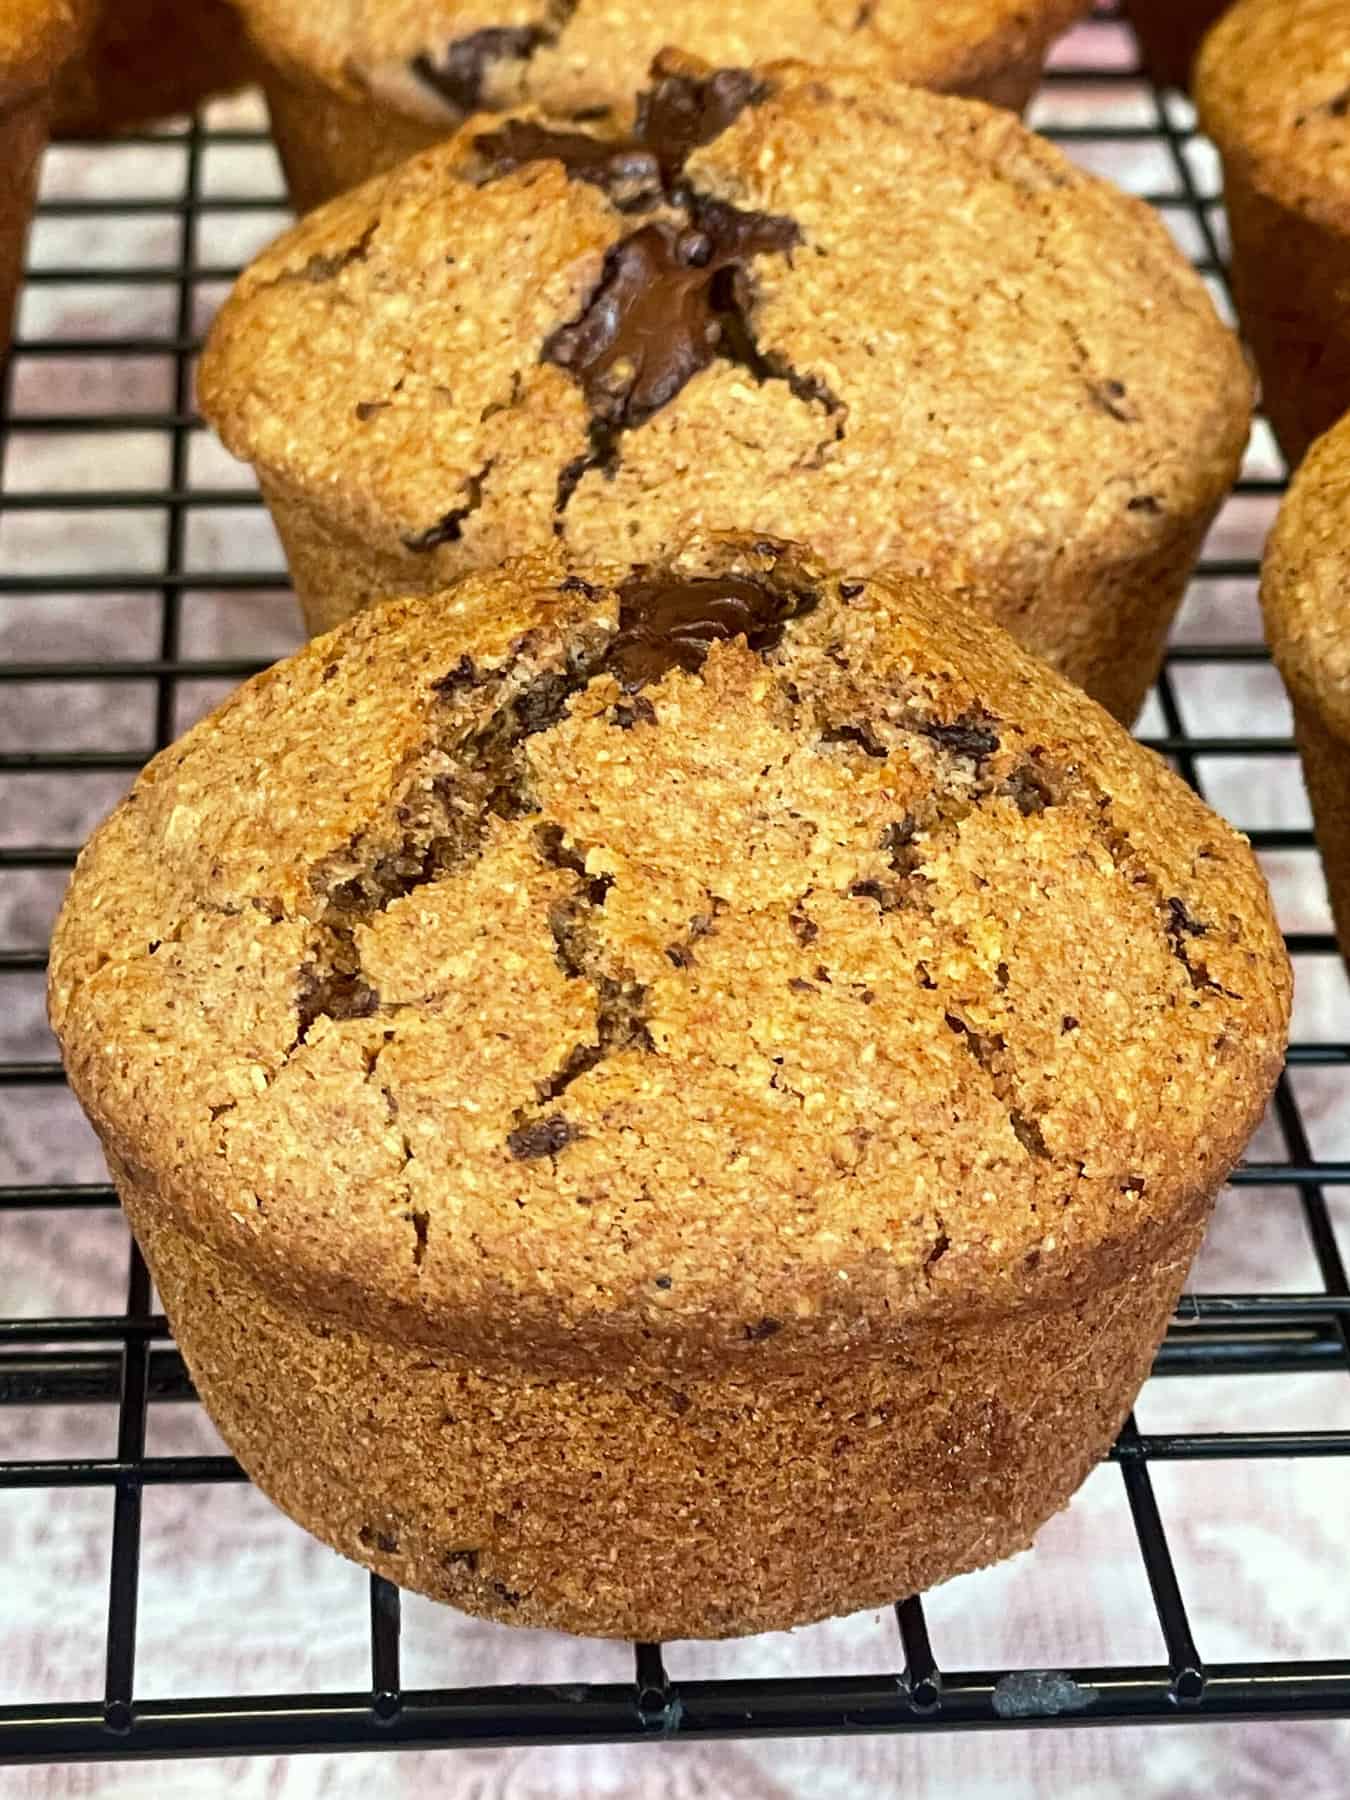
892	324
147	59
672	1101
354	88
1170	33
36	38
1273	90
1305	596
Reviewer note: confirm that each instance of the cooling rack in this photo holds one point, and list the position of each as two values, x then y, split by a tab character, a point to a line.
156	236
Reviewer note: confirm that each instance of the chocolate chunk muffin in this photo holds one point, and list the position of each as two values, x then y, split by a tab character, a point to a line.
1170	33
36	38
1305	595
1273	90
890	323
150	58
354	89
709	1057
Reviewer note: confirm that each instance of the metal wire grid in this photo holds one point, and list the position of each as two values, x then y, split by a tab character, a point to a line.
130	1359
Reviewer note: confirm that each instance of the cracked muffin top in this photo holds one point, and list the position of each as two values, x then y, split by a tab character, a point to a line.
891	324
1305	581
699	955
1272	84
36	37
444	60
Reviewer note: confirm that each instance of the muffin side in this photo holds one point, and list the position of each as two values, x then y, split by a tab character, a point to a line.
709	1504
1304	581
146	59
36	38
416	376
1170	33
352	93
1270	88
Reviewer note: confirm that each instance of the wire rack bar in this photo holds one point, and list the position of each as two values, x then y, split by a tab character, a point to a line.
612	1712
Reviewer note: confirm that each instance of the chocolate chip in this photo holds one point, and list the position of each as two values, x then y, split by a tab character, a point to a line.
681	113
888	897
629	713
678	114
1180	921
629	173
1109	397
805	930
449	528
333	994
849	590
454	681
545	1137
651	324
971	735
459	77
1028	1133
573	584
897	840
1068	1023
666	622
763	1328
665	1282
861	735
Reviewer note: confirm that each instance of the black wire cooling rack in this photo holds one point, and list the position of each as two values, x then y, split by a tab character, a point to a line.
129	1359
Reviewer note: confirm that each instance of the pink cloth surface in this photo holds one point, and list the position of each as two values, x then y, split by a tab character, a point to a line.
235	1599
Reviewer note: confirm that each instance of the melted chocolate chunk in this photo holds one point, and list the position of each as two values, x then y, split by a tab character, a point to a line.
545	1137
656	319
461	77
627	171
676	116
681	113
667	623
972	735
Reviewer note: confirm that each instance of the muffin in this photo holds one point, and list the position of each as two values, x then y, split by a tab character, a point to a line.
354	90
1170	33
892	324
672	1100
1305	595
149	58
1273	90
36	38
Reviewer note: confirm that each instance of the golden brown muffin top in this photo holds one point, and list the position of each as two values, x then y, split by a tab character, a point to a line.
895	325
449	58
36	37
696	957
1305	581
1272	84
